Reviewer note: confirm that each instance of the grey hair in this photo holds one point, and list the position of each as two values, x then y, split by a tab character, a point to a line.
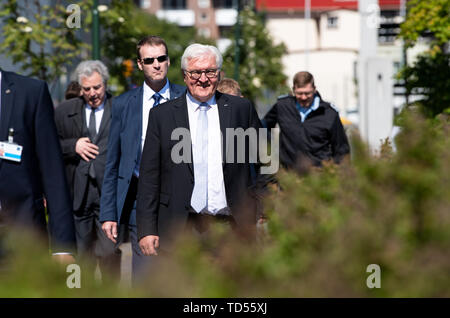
197	50
86	68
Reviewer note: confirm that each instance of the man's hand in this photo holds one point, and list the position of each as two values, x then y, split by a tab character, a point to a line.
86	149
64	258
110	229
149	244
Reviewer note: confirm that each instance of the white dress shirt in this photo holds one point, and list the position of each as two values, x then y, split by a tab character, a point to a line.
98	112
217	199
147	104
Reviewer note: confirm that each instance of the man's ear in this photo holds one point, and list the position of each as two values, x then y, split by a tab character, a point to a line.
168	61
139	64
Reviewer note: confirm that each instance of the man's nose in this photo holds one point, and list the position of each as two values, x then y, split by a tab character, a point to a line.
203	77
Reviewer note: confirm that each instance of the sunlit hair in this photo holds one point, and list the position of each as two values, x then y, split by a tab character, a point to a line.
87	68
229	86
197	50
152	40
301	79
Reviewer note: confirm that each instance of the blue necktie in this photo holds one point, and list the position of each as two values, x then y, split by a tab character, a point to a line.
199	199
157	97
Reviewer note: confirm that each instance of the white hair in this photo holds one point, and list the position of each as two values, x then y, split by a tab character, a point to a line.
197	50
86	68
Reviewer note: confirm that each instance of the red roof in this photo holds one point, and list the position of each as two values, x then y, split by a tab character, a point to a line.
318	5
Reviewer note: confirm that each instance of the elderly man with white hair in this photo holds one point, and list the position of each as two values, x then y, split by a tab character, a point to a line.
83	128
213	187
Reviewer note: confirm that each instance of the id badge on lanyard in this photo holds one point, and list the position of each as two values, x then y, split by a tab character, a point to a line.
10	150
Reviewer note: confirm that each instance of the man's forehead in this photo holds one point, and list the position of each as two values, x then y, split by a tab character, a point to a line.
87	82
308	86
208	60
153	48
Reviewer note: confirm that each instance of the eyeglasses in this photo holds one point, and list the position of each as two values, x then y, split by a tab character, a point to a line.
150	60
196	74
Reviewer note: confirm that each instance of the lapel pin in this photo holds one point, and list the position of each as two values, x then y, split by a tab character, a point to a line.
8	91
225	105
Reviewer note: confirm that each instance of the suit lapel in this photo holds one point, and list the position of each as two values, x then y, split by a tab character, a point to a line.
106	118
225	121
134	124
181	117
7	99
79	118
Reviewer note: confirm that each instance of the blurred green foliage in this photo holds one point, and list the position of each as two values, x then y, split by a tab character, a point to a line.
430	73
123	25
325	227
36	37
260	64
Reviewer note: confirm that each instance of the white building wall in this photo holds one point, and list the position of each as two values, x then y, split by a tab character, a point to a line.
330	57
291	31
346	33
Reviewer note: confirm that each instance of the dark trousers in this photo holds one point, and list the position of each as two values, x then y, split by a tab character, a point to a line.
91	240
128	232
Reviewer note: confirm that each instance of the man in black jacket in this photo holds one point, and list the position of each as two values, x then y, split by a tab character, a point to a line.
311	130
83	125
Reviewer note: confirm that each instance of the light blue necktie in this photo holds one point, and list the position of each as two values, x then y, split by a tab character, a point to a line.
157	97
199	199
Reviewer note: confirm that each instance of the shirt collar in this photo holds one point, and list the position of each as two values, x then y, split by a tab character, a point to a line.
164	92
195	104
99	107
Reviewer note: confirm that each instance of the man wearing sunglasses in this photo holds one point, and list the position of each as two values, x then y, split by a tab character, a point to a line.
126	140
311	130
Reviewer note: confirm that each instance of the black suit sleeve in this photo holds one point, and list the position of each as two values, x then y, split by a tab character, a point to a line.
149	181
67	144
271	118
339	142
48	151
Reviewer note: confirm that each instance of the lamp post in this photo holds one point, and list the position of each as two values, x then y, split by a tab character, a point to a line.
95	32
237	36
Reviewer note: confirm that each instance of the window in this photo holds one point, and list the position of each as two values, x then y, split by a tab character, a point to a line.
221	4
203	4
332	22
204	32
204	17
173	4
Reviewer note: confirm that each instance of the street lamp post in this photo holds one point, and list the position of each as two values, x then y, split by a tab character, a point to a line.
237	36
95	32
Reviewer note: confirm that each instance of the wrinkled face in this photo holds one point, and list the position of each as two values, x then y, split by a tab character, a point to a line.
93	89
157	70
305	94
202	77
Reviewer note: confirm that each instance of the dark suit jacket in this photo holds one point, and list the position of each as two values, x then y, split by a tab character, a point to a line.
70	118
165	188
27	107
123	144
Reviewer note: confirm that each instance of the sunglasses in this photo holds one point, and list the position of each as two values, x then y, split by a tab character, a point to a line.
150	60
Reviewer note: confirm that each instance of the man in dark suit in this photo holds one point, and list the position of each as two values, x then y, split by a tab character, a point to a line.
26	108
311	130
128	128
174	193
83	127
